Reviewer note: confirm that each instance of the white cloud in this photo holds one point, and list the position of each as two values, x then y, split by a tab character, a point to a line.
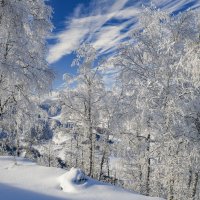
67	42
90	28
94	26
108	38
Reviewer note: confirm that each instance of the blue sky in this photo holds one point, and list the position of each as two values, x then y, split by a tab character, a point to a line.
103	23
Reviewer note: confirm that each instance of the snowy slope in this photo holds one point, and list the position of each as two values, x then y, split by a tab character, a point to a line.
28	181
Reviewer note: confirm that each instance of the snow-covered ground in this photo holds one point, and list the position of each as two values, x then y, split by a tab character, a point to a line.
28	181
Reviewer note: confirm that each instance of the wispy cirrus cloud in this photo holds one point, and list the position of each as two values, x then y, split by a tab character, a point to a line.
95	27
104	25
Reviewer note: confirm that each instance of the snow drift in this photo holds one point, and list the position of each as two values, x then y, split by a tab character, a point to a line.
73	181
25	180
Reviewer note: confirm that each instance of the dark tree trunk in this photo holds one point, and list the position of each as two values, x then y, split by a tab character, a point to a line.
195	183
171	190
148	166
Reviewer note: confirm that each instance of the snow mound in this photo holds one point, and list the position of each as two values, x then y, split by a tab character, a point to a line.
11	162
44	185
73	181
24	162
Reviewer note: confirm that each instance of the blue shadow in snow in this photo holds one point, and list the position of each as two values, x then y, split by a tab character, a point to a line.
12	193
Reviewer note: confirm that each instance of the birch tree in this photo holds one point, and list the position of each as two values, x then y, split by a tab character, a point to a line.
24	70
159	68
82	99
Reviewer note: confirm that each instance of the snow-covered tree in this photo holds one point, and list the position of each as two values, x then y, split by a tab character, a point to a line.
82	100
24	72
159	69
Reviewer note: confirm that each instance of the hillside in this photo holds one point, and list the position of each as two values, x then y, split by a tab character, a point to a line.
28	181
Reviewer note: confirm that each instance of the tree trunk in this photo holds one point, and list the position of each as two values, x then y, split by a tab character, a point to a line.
140	178
91	147
195	183
190	178
101	165
171	190
91	154
148	166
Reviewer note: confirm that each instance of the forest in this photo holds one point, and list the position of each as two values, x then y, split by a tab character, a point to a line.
139	130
